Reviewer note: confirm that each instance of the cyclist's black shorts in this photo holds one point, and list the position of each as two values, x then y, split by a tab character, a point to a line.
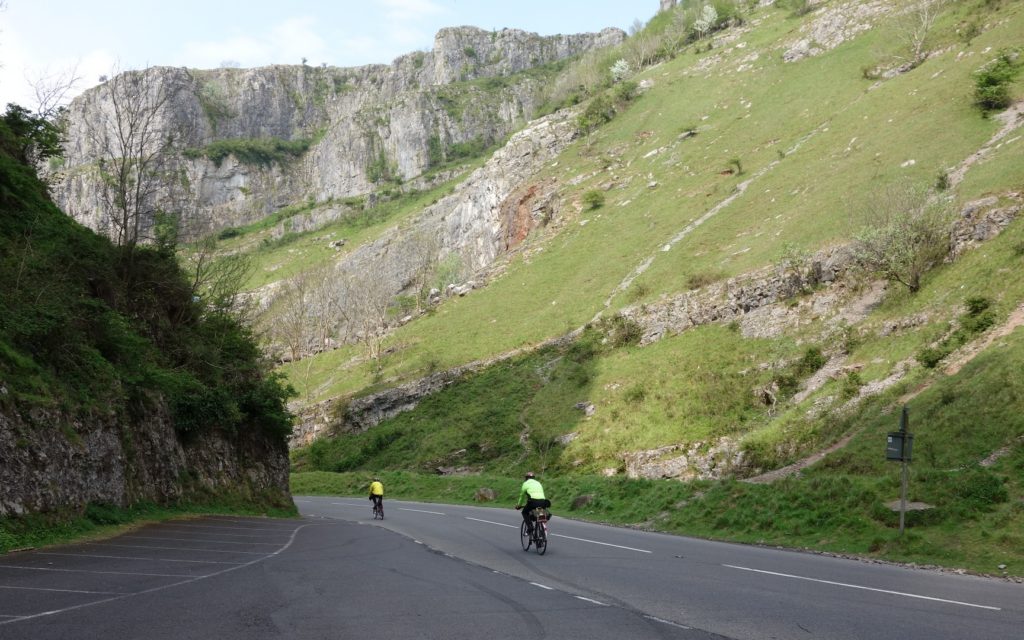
532	504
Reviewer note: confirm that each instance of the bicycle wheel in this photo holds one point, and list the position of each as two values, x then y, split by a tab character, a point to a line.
524	536
541	535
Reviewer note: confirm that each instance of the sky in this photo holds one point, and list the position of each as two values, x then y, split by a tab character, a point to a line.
52	40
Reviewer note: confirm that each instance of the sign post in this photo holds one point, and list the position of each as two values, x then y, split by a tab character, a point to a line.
898	447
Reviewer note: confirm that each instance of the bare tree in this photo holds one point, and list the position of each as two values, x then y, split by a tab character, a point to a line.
913	29
367	305
906	232
289	316
133	142
51	91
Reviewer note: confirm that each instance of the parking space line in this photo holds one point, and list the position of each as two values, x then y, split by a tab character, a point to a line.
134	537
189	525
227	535
96	555
100	593
144	546
162	587
114	573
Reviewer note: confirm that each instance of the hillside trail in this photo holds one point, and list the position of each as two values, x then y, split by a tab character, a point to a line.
1012	119
964	355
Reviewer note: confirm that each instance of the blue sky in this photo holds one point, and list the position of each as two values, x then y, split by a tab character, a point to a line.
49	38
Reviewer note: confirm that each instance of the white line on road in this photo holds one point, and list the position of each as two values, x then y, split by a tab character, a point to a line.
436	513
100	593
589	600
500	524
348	504
182	529
160	588
606	544
189	525
856	586
668	622
113	573
542	586
135	537
96	555
143	546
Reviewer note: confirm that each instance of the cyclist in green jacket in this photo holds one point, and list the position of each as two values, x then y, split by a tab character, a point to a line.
531	496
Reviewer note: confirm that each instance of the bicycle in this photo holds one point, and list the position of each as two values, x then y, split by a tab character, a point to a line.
378	510
536	536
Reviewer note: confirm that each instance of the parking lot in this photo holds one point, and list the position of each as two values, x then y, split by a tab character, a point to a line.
59	579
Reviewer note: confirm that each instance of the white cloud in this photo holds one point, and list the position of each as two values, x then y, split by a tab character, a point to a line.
20	70
410	10
287	43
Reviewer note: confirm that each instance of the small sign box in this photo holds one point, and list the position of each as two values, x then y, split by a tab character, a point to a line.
898	446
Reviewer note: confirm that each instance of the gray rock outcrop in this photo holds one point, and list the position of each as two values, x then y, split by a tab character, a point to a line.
54	463
364	126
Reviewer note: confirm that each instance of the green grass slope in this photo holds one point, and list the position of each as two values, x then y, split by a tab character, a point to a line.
731	158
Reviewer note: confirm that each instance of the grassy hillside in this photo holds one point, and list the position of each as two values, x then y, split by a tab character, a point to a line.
728	161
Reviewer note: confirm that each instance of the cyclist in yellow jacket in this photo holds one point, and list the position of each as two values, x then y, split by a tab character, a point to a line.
531	496
377	492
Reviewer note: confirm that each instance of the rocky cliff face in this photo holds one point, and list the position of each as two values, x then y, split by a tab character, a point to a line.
364	126
53	462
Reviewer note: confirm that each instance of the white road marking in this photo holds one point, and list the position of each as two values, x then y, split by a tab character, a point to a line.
590	600
143	546
113	573
162	587
436	513
500	524
136	537
189	525
856	586
176	529
96	555
349	504
668	622
99	593
559	535
606	544
542	586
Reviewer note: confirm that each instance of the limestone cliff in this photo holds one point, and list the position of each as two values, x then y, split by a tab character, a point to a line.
54	462
358	128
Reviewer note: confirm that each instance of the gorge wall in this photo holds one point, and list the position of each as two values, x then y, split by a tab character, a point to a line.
363	126
54	462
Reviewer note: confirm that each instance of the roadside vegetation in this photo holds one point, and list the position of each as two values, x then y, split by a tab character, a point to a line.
96	331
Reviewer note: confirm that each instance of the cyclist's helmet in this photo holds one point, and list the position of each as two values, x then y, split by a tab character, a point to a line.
529	474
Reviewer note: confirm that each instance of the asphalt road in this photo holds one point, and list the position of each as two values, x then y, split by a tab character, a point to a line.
438	571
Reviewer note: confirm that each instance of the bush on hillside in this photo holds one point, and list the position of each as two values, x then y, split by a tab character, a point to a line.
992	82
905	233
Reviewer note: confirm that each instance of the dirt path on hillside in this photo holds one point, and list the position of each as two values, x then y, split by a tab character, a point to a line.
963	356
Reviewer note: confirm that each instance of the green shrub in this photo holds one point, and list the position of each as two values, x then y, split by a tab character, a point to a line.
930	357
593	199
259	152
992	82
